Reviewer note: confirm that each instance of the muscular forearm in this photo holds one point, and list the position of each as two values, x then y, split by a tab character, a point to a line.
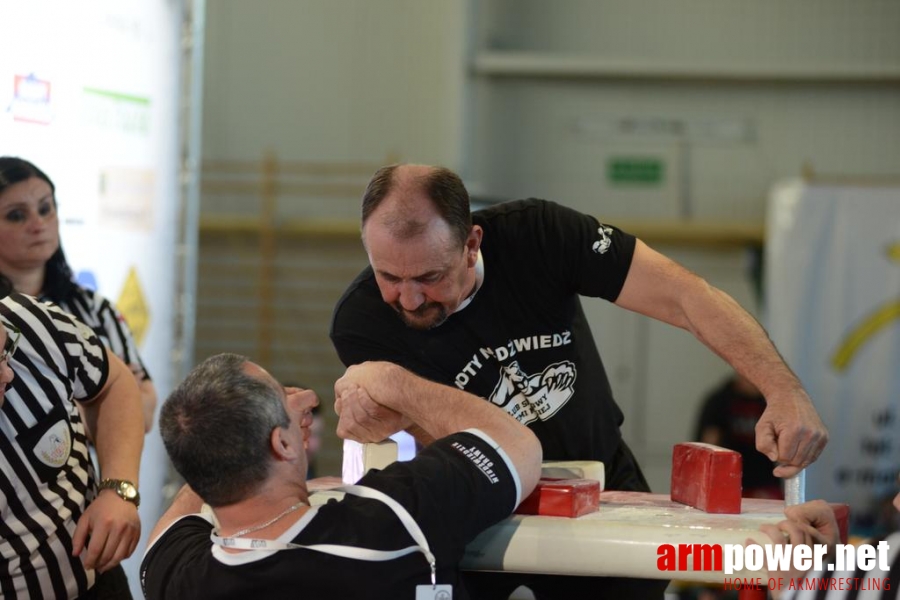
422	437
720	323
440	410
662	289
789	431
437	409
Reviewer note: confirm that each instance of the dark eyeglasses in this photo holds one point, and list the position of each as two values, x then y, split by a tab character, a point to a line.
12	341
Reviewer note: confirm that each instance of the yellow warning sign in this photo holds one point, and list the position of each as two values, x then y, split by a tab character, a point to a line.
133	306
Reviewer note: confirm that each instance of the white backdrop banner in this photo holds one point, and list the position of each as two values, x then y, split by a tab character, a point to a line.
89	93
833	310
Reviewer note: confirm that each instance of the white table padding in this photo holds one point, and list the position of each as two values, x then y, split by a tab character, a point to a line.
621	539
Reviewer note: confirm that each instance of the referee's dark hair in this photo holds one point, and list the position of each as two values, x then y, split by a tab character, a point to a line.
58	284
216	427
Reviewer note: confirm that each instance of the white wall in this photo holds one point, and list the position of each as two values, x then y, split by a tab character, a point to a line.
325	80
804	97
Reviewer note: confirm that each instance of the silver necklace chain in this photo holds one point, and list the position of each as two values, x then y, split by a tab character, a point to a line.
284	513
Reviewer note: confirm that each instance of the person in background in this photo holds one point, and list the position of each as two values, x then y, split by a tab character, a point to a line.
32	260
238	439
490	303
63	534
314	443
728	418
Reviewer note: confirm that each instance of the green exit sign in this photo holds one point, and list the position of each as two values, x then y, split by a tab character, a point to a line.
647	171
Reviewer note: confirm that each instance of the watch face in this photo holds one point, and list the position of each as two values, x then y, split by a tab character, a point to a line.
125	490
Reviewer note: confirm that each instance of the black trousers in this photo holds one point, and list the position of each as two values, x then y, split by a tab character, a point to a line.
111	585
622	474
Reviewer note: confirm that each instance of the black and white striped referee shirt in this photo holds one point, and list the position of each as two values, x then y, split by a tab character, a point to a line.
99	314
46	476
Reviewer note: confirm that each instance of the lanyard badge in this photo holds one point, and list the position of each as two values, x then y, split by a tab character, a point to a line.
423	592
434	592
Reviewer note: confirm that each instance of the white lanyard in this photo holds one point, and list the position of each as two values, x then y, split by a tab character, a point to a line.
347	551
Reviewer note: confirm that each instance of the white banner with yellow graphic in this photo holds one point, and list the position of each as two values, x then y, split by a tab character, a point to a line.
833	310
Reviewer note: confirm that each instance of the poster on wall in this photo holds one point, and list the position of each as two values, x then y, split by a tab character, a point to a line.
89	93
833	305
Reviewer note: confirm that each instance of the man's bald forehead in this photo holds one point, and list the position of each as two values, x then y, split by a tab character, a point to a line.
412	173
406	211
409	189
408	200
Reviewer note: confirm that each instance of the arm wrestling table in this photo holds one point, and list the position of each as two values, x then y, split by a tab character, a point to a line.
621	539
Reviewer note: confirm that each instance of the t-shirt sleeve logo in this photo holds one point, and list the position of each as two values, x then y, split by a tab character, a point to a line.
478	458
530	397
603	244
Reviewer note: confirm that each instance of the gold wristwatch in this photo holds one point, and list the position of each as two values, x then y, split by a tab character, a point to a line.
125	489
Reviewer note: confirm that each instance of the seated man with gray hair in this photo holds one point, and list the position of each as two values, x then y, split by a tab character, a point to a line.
238	438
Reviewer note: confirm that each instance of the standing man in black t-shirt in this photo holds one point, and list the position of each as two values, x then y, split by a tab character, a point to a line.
489	303
238	438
